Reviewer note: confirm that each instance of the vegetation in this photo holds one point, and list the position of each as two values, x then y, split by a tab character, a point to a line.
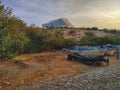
16	37
89	28
42	40
72	32
12	38
93	40
90	34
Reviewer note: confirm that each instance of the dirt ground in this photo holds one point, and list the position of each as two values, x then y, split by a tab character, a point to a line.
30	69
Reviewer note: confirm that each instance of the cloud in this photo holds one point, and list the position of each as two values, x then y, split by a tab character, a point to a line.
99	13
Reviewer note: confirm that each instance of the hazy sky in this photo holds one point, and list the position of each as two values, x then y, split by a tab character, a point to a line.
99	13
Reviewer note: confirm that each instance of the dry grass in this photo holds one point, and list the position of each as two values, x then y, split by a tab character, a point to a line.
35	68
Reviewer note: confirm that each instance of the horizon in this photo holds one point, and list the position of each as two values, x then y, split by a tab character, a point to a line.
94	13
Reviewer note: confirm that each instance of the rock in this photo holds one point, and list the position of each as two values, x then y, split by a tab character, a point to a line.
62	22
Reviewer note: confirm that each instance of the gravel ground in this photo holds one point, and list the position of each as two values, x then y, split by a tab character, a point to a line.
106	78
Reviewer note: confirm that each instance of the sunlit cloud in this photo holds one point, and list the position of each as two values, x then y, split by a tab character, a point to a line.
99	13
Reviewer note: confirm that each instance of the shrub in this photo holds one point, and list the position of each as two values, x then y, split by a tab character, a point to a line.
99	40
12	40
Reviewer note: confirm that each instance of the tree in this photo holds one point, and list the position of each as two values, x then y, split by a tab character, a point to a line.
12	40
99	40
94	28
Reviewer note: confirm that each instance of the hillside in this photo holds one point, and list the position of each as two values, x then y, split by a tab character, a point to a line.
78	33
33	58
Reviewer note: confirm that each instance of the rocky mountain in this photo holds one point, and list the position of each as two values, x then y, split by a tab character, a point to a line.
62	22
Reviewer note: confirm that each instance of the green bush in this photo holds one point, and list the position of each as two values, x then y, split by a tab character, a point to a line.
17	38
43	40
12	39
99	40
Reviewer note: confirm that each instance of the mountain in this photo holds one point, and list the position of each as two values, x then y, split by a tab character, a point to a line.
62	22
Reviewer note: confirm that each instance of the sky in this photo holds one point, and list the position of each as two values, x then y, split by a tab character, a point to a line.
88	13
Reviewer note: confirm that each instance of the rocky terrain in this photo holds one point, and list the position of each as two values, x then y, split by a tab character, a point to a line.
52	71
107	78
61	22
